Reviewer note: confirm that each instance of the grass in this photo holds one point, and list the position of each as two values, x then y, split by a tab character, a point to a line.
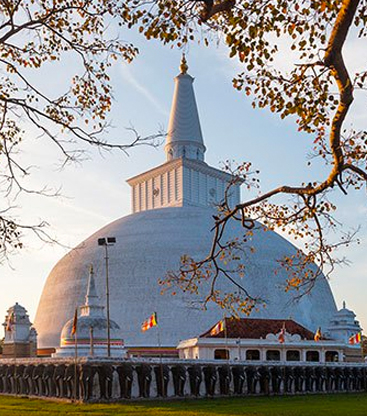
330	405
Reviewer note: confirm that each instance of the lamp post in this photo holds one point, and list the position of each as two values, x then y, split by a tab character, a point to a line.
91	339
106	242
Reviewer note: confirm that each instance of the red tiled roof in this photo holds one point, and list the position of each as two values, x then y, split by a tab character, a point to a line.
258	328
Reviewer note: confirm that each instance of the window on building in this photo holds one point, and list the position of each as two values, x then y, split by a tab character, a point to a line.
221	354
313	356
273	355
252	355
331	356
293	355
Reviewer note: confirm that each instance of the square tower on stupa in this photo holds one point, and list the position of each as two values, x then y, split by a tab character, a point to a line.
185	179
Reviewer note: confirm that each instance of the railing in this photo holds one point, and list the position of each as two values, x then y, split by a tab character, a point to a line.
110	380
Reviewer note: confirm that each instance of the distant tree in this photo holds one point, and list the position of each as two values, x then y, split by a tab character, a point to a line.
318	90
47	36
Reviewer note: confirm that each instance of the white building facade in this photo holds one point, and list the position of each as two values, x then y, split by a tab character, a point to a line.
249	340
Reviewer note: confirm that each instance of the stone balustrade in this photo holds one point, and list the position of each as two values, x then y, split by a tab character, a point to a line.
111	380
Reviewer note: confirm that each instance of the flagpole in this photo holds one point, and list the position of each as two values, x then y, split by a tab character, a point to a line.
74	332
10	328
160	354
158	336
75	363
361	345
15	364
91	340
227	349
225	337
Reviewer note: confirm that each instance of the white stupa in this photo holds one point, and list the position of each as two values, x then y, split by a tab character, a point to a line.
172	208
343	325
91	330
20	337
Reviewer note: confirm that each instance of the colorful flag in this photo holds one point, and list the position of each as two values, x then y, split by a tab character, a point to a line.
150	322
219	327
317	335
281	336
75	322
9	324
355	339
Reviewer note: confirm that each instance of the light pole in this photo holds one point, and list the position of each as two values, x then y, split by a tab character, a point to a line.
91	339
106	242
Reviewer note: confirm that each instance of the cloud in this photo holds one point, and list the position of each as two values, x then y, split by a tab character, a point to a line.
129	77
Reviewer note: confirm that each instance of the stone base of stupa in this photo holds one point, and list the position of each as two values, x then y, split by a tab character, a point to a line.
99	351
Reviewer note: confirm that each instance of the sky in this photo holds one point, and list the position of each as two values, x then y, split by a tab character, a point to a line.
95	192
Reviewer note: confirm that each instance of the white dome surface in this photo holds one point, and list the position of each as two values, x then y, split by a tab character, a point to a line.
99	326
150	243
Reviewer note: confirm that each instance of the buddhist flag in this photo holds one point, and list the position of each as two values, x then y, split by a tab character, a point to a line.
219	327
75	322
9	324
355	339
281	336
317	335
150	322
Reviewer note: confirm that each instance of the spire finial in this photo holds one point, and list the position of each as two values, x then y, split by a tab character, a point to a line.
183	66
91	271
344	304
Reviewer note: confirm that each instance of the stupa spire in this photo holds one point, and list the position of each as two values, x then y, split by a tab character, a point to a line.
92	305
184	139
91	296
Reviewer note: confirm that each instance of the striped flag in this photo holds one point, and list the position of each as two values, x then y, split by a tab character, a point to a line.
150	322
317	335
218	328
9	324
75	322
356	338
281	336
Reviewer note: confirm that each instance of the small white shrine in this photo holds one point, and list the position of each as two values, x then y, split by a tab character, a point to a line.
90	337
20	338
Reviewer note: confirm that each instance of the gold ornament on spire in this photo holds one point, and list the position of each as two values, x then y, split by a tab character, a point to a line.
91	268
183	66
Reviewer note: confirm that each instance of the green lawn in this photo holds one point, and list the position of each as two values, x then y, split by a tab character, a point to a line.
330	405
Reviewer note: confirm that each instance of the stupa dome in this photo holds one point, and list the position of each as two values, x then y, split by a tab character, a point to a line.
147	245
172	208
85	323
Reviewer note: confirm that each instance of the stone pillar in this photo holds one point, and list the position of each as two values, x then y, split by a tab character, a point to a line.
283	354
